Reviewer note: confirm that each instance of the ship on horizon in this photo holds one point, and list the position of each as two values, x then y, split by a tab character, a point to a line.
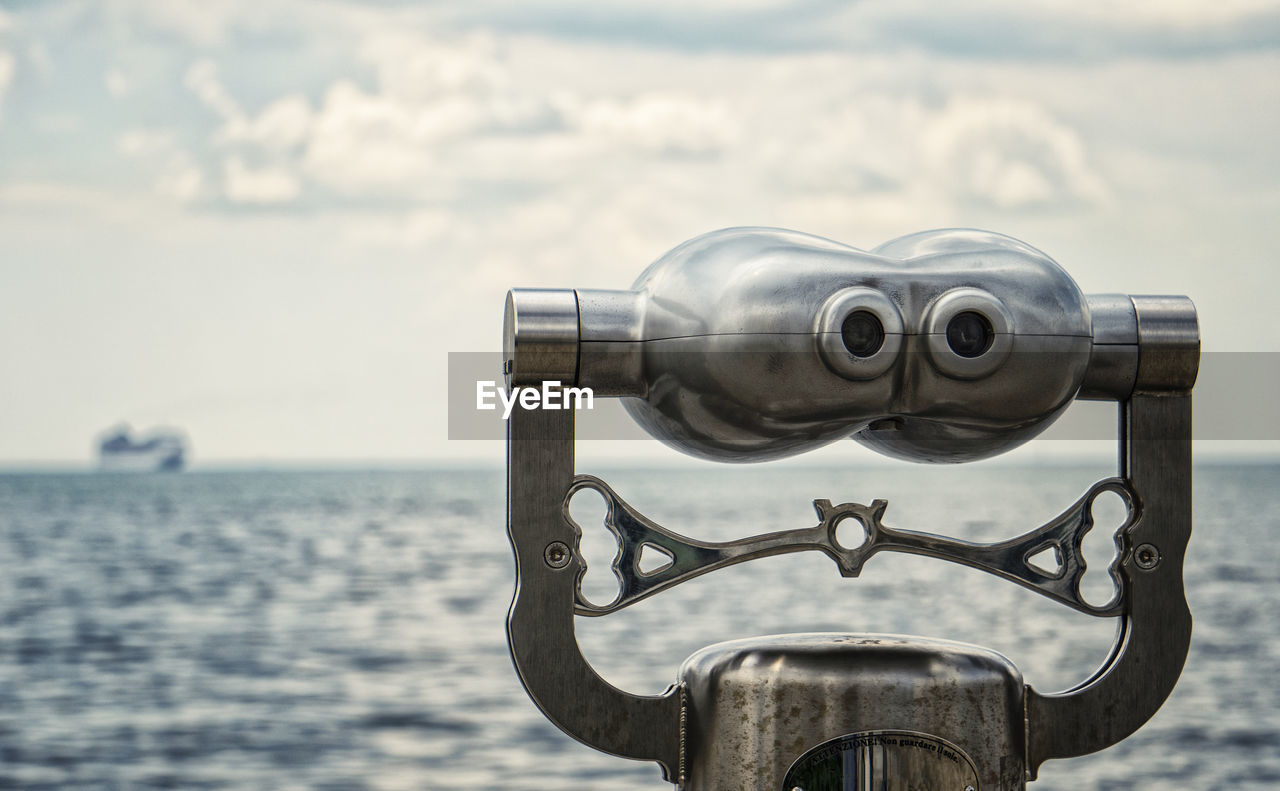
162	450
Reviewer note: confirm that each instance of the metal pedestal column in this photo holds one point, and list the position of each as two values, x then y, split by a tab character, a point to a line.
835	712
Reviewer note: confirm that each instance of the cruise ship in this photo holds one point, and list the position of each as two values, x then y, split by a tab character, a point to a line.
163	450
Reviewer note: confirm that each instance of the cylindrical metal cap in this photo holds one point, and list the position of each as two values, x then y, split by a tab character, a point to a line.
540	337
1168	344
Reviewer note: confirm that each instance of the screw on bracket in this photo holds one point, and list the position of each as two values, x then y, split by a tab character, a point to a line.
1146	556
556	555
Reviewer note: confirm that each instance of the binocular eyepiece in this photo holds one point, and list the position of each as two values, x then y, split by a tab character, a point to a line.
750	344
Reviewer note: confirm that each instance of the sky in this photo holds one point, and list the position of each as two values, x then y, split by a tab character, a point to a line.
269	223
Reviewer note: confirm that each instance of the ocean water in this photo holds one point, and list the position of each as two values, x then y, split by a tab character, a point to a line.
345	630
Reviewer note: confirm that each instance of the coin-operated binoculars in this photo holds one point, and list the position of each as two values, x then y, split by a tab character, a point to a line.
945	346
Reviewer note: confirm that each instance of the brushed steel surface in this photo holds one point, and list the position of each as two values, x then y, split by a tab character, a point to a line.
540	624
540	336
1114	320
758	705
610	331
947	307
736	372
1155	629
1169	343
828	330
1011	559
1113	360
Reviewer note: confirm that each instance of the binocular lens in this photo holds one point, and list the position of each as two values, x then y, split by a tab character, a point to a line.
969	334
862	333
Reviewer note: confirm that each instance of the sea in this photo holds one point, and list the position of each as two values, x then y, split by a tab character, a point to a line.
344	630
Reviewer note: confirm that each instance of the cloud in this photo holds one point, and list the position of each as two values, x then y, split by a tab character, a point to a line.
664	123
173	170
358	143
1090	30
203	80
464	124
416	118
454	120
762	26
117	83
1010	154
204	23
387	141
266	185
1001	29
274	134
371	144
1183	13
7	69
443	118
282	126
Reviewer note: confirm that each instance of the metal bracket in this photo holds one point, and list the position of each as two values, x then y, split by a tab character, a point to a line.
689	558
1154	621
540	625
1155	628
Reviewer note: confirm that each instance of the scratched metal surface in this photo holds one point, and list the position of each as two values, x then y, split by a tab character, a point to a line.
345	630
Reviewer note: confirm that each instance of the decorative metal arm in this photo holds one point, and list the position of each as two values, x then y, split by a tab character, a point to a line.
689	558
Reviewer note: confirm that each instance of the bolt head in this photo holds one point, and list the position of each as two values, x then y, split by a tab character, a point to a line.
557	555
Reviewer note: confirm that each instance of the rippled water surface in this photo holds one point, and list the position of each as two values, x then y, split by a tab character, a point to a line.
345	630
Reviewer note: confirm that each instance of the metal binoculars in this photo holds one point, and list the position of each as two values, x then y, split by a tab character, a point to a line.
944	346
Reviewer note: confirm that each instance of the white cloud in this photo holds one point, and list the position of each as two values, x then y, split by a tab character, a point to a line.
1102	15
117	83
7	69
479	123
1039	31
445	113
418	228
450	119
203	80
278	131
381	142
453	86
364	143
661	122
284	124
463	124
267	185
418	67
173	170
1008	153
205	23
429	96
1086	27
1183	13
